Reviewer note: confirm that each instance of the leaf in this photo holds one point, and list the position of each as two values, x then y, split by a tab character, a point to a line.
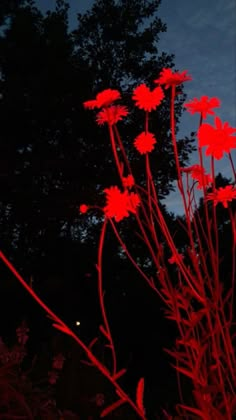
193	410
102	329
139	395
119	374
185	372
111	408
192	342
91	344
85	362
97	267
61	328
180	356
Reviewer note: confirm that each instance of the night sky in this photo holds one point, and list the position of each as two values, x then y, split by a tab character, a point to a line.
202	36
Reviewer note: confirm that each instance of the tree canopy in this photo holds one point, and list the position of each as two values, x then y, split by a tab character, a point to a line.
52	154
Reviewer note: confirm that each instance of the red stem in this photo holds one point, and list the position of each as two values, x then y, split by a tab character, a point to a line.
68	331
101	295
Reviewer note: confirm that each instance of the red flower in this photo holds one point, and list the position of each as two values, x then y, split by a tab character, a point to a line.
83	208
218	139
203	106
144	142
197	173
207	181
104	98
111	115
147	100
169	79
128	181
119	204
222	195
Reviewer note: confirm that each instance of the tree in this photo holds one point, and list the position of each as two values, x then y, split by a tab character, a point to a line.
7	8
122	59
57	156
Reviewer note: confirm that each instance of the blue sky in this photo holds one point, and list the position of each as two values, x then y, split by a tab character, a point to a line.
202	35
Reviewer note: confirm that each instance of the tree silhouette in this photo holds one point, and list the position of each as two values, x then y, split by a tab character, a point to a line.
56	156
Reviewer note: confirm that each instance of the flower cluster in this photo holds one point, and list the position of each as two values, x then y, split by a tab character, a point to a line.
218	140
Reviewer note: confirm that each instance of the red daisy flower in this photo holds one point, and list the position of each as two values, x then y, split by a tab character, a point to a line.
197	173
128	181
119	204
83	208
218	138
203	106
222	195
144	142
169	79
111	115
104	98
147	99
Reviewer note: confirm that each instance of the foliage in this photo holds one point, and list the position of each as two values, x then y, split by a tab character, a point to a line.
21	395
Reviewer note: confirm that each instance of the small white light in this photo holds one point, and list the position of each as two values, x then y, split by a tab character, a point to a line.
77	323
